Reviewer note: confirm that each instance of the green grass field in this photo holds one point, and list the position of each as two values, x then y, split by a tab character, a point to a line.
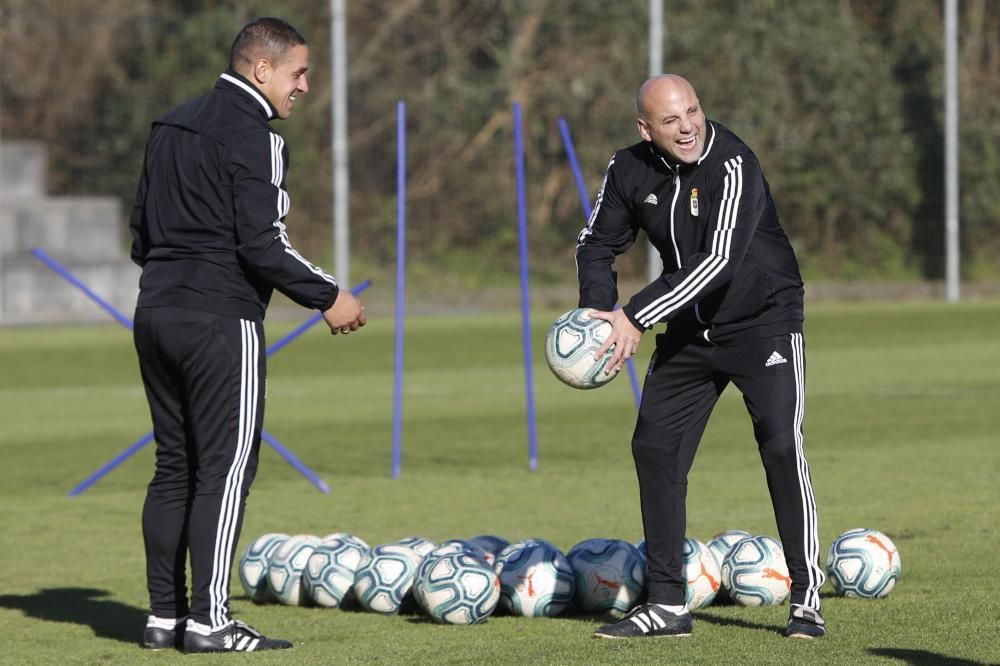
902	434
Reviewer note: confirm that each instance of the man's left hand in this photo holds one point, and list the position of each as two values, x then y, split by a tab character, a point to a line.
624	336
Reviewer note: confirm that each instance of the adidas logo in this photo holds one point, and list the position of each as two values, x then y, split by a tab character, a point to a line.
651	199
775	359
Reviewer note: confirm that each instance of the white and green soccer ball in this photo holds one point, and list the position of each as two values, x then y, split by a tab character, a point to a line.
456	587
723	541
385	577
863	563
702	572
570	347
284	573
536	579
329	574
491	543
610	575
418	545
254	563
755	574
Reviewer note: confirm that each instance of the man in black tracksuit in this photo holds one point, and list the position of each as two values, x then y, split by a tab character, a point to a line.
208	230
732	296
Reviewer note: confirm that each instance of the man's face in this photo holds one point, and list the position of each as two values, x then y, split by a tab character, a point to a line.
287	80
672	119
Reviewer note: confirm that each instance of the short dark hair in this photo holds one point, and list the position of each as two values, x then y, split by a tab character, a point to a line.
266	37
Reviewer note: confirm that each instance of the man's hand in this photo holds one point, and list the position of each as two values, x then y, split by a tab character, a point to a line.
624	336
346	314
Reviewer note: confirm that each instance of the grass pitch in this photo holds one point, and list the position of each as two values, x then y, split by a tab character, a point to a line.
901	435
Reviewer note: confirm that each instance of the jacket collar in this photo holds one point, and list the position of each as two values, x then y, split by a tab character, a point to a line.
230	80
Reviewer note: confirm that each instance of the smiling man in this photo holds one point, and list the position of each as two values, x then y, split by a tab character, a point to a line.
208	229
732	298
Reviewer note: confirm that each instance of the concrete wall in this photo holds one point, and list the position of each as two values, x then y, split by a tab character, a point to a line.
86	234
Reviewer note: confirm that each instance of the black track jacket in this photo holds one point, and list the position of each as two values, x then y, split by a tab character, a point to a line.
729	270
208	223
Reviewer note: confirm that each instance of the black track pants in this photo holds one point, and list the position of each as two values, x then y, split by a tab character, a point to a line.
204	379
684	382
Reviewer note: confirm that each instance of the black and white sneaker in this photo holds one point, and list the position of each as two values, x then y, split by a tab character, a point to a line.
805	623
162	634
648	620
236	637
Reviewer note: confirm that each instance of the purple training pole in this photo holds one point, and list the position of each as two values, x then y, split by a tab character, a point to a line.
581	189
522	233
111	464
283	451
309	323
292	460
397	395
64	273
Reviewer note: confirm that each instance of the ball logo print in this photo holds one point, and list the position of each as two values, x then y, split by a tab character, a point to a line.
254	564
755	572
536	579
703	574
610	575
457	588
863	563
570	347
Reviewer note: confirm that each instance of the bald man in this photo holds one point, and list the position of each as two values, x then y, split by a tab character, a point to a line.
732	298
208	230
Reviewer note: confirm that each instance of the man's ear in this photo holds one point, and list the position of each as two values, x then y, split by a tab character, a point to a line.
262	71
643	129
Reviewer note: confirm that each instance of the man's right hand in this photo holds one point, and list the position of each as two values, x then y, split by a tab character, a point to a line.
346	314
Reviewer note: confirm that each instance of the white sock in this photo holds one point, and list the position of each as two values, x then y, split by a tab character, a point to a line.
676	610
204	629
164	622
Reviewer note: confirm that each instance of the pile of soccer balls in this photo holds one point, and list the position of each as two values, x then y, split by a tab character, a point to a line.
465	581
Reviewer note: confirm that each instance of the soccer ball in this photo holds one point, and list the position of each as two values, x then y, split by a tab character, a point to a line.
419	545
284	574
610	575
329	574
723	541
456	588
701	570
460	546
863	563
720	545
254	562
535	579
755	573
384	578
570	347
491	543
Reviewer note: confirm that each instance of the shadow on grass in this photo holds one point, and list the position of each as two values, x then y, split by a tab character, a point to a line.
922	657
737	622
107	618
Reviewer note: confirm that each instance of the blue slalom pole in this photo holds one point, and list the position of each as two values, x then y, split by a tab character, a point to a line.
581	189
397	394
111	464
283	451
65	274
522	234
309	323
292	460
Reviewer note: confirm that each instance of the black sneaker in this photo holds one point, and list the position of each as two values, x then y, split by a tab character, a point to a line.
648	620
237	637
805	623
157	637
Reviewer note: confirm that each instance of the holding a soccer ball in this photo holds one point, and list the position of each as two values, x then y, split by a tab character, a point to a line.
732	296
